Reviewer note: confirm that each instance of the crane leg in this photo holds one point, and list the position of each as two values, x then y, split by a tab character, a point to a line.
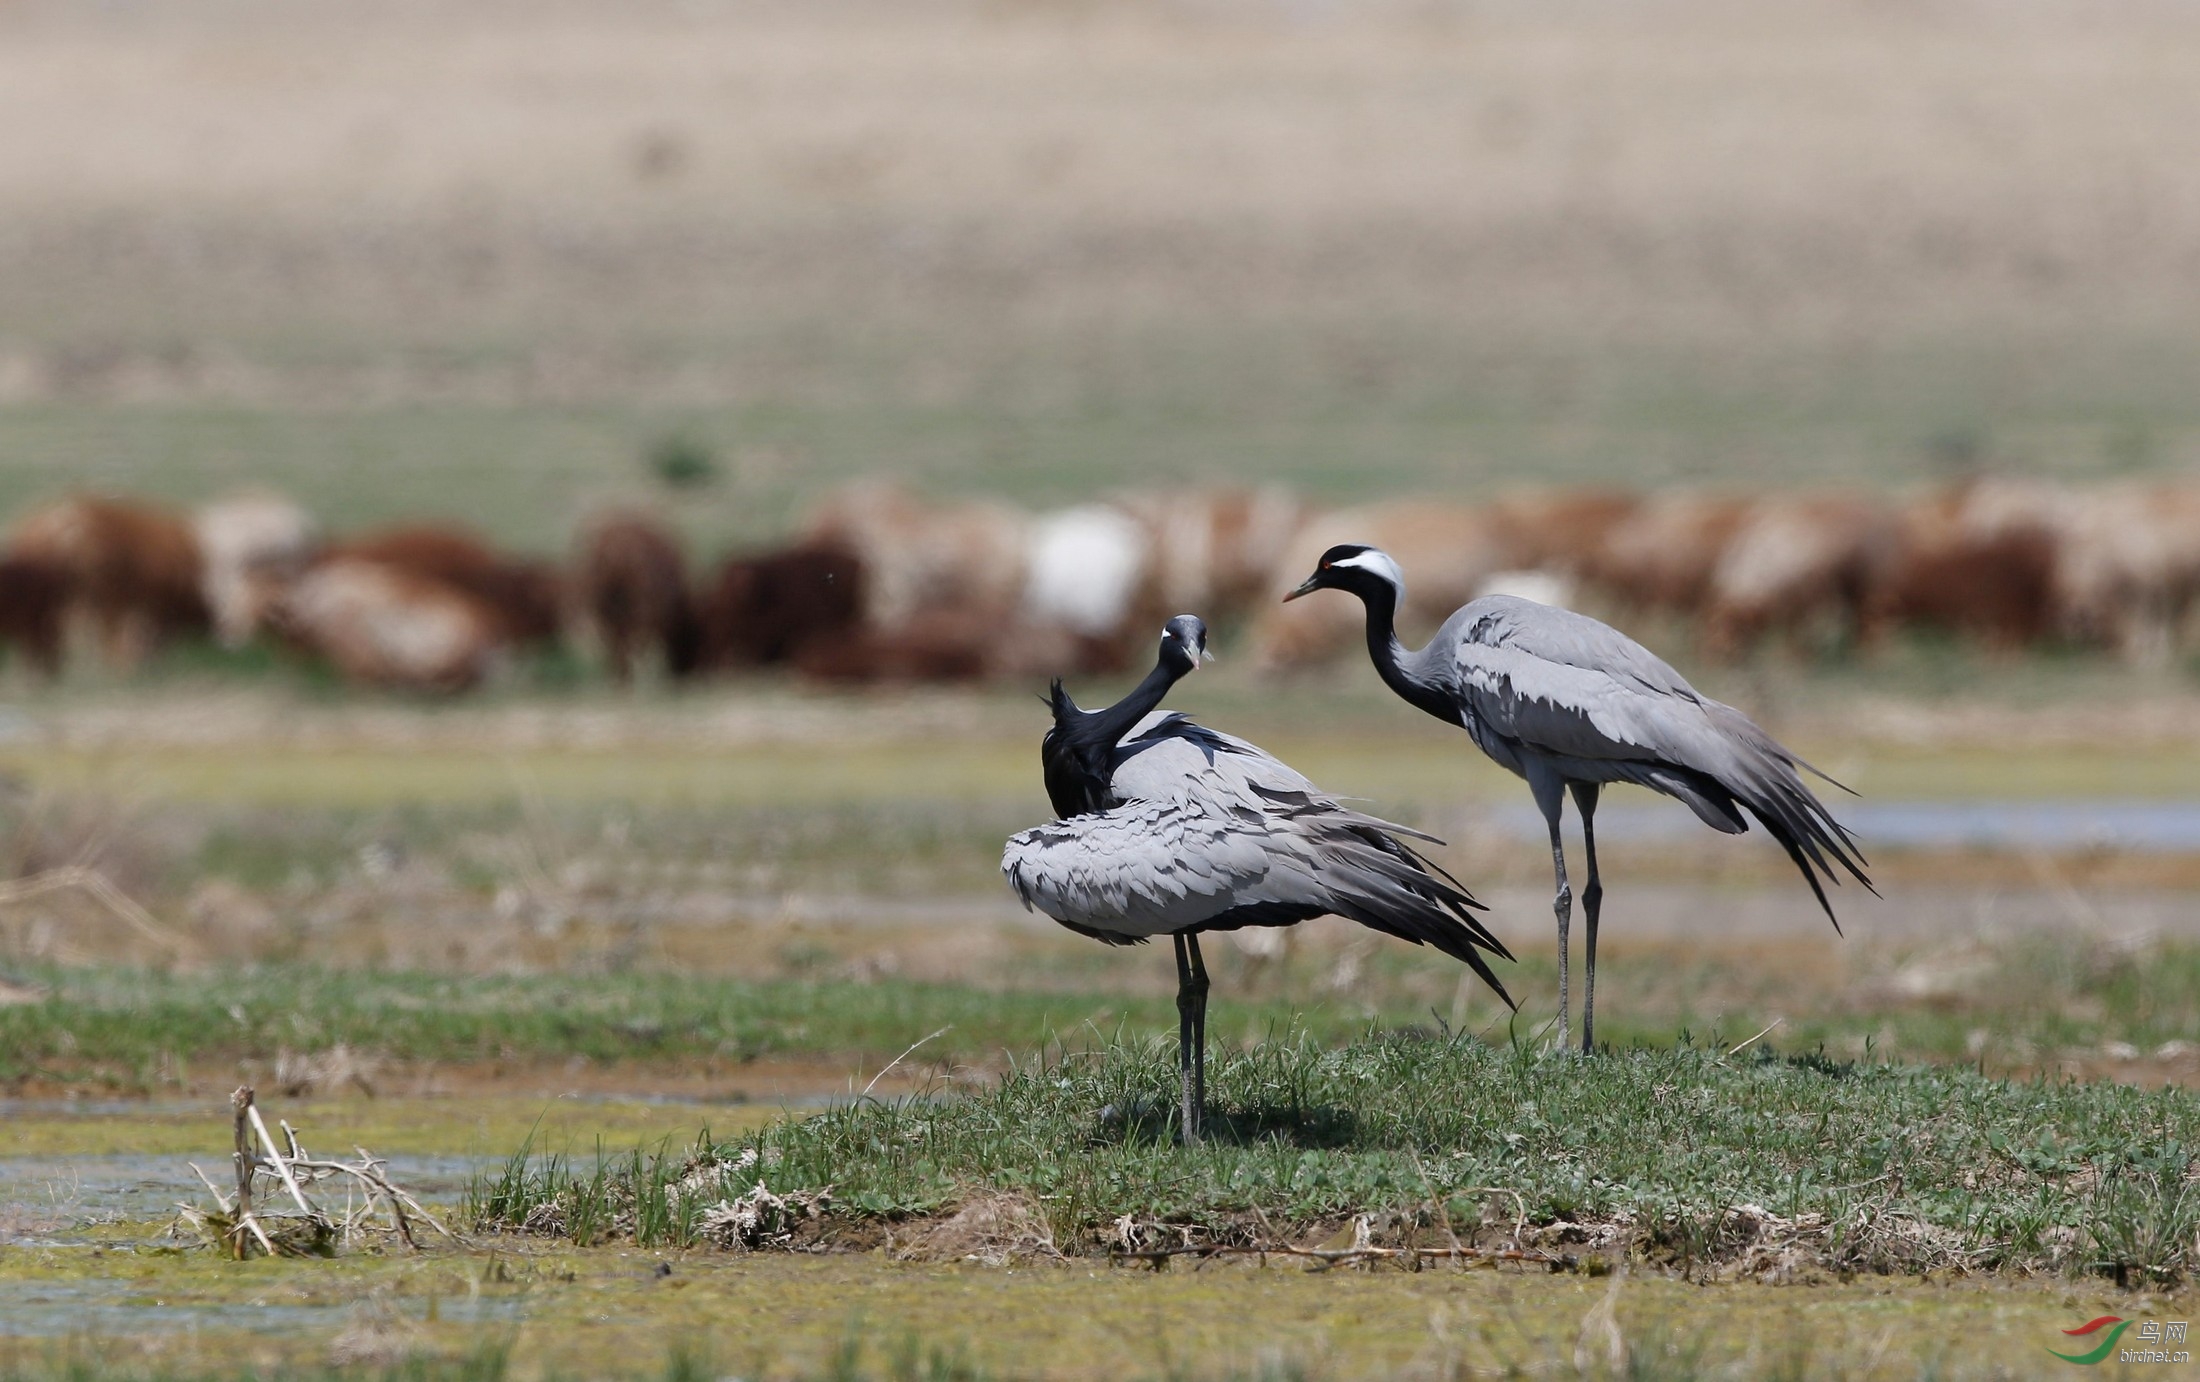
1592	897
1199	1037
1550	797
1191	1032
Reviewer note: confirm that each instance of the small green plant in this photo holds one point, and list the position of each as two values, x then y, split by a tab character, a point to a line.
680	461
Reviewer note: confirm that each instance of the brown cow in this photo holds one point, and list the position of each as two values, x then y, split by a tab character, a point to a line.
1660	558
1799	564
33	600
2128	573
1987	573
766	608
1558	531
950	645
940	645
132	571
384	624
1214	551
919	557
526	597
630	580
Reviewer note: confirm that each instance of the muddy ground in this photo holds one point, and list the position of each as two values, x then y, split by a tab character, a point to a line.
85	1273
849	843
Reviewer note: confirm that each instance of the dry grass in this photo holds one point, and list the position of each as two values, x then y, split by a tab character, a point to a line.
1718	164
1032	246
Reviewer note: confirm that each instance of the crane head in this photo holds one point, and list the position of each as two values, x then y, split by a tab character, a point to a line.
1352	566
1184	641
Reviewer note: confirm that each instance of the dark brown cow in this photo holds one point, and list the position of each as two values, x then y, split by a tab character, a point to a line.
631	581
940	645
1994	584
132	571
33	598
526	597
765	609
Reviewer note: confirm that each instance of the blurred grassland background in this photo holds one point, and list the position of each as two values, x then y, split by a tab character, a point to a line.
478	260
506	263
489	262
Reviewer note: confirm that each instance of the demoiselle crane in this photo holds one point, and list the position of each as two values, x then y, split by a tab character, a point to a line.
1572	704
1168	828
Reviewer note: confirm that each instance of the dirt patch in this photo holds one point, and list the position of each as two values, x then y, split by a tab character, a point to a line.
1737	1243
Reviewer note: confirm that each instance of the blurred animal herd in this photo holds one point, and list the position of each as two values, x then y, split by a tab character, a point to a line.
877	584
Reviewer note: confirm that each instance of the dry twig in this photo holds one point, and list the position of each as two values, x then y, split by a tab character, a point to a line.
311	1228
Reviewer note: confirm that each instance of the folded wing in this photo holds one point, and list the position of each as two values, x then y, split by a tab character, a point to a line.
1581	693
1239	855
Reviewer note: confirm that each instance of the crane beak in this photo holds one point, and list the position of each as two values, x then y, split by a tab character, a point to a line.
1311	584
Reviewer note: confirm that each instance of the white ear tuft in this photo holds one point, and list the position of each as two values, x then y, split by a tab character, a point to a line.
1378	562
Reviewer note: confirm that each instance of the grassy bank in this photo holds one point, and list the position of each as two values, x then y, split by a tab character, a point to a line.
2065	1005
1752	1164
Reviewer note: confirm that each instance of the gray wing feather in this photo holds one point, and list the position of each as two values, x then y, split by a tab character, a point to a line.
1151	868
1565	685
1565	639
1178	760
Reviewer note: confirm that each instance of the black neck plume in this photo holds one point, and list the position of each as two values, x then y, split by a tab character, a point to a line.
1078	754
1107	727
1389	655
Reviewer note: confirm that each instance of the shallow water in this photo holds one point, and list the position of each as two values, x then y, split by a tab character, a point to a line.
110	1308
60	1200
2055	826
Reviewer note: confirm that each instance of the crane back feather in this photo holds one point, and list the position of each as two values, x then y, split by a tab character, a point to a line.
1206	832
